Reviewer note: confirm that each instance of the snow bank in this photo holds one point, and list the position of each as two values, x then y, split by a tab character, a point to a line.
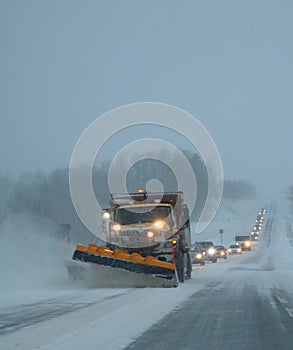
30	257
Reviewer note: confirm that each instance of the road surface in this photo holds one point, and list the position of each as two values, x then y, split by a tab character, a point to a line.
244	309
244	302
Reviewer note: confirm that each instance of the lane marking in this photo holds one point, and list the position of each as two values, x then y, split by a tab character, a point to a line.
290	312
272	302
282	300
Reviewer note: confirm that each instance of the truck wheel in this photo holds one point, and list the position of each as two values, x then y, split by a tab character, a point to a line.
180	272
180	266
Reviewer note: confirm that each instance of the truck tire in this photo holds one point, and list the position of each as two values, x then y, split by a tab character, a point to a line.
180	265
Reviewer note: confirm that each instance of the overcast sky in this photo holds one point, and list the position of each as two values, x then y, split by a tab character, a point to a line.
229	63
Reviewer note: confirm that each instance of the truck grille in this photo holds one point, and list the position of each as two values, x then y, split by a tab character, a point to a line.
136	238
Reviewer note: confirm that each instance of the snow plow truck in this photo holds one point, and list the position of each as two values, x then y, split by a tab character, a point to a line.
147	243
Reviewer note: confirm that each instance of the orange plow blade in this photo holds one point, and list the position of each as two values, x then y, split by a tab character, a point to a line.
103	267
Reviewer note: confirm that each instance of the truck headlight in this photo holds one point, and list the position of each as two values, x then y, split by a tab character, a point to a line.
159	224
106	215
150	234
116	227
247	244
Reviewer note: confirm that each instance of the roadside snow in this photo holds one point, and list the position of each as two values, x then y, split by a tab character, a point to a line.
112	318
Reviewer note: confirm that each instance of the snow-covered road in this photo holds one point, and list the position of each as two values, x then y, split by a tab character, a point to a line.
248	307
249	294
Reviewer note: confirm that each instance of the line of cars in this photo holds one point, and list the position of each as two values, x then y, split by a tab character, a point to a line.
257	228
207	251
203	251
243	241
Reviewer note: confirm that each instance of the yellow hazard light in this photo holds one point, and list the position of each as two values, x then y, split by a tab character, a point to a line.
174	241
140	191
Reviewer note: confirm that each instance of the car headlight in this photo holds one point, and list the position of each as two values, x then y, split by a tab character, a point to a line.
238	250
222	253
198	256
229	250
211	251
247	244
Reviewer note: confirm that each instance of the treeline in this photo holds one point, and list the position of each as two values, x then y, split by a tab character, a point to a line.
47	196
238	189
290	197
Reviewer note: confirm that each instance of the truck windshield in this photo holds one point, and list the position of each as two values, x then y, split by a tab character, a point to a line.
137	215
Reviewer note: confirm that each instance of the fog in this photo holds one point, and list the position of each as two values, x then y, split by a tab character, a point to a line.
228	63
30	256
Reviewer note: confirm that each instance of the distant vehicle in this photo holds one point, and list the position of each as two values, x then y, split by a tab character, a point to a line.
254	236
209	249
234	249
262	211
257	228
221	251
197	255
244	241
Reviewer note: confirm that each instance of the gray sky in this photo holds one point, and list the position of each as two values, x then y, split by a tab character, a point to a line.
229	63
